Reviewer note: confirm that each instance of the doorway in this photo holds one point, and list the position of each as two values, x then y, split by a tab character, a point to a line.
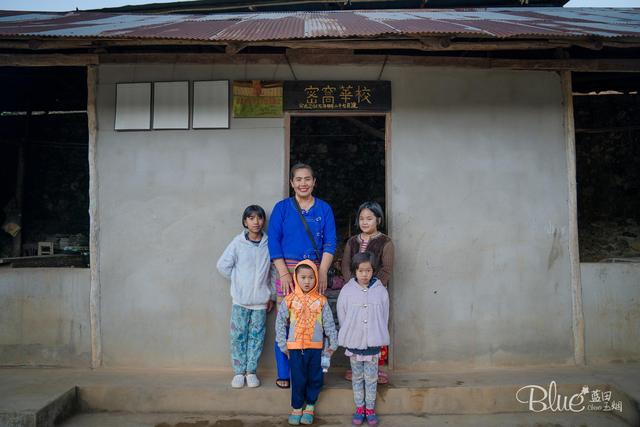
348	154
44	171
606	115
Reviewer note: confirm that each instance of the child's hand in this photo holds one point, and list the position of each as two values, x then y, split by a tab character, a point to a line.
330	352
270	306
286	353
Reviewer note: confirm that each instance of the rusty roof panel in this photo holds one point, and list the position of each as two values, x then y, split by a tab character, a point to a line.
359	25
264	27
246	27
436	27
321	25
194	30
506	29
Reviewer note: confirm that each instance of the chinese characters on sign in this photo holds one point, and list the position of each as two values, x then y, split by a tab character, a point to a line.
337	96
540	399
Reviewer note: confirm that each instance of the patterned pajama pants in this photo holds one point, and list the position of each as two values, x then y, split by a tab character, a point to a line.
247	337
364	382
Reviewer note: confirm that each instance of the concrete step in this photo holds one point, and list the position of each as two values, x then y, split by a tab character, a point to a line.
423	394
407	393
208	420
44	407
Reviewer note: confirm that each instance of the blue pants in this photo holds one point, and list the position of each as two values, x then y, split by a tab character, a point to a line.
282	363
306	376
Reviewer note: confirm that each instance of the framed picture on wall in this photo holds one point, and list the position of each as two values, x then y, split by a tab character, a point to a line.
257	99
171	105
133	106
210	104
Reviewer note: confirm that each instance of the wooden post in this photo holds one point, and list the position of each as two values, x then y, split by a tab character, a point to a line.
94	224
574	254
287	153
388	224
17	239
24	142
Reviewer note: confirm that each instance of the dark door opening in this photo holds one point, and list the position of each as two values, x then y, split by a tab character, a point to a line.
348	156
44	171
606	113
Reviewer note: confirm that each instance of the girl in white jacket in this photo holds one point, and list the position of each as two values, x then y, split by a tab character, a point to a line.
363	313
246	262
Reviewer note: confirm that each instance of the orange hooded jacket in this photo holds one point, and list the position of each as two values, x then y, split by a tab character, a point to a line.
305	311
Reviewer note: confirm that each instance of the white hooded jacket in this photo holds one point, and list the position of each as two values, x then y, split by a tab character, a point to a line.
249	267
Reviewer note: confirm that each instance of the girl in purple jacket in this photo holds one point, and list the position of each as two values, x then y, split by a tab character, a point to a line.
363	313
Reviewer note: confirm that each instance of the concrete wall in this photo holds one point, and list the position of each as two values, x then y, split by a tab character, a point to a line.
480	216
611	299
477	210
44	317
170	201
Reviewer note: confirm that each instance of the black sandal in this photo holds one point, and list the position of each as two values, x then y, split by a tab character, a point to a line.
280	383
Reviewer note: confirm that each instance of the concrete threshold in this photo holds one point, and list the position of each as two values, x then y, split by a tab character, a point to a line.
35	407
483	393
113	419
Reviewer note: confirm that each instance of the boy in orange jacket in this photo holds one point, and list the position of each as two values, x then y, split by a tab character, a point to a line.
310	319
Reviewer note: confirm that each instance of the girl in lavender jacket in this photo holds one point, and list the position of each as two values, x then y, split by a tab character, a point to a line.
363	314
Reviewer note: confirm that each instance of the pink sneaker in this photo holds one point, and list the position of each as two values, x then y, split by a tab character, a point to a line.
372	419
358	418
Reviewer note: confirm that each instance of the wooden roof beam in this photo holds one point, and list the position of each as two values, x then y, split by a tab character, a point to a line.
423	44
233	48
302	57
58	44
47	60
420	44
439	44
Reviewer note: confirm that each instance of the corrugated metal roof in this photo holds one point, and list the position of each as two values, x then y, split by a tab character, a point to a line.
243	27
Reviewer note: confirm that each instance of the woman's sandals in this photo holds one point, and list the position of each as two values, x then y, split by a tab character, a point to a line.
283	383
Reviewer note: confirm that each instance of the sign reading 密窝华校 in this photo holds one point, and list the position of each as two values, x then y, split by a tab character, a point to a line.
371	96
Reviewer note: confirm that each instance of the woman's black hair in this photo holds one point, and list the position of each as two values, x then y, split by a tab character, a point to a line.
361	257
297	166
253	210
373	207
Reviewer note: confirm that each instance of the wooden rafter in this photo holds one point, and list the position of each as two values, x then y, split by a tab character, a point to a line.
302	56
444	43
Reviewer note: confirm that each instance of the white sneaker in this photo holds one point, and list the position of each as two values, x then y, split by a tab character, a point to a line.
237	381
253	381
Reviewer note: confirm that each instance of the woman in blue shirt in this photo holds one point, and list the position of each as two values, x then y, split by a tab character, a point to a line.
289	242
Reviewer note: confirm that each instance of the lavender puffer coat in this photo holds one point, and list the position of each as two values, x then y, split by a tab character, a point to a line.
363	314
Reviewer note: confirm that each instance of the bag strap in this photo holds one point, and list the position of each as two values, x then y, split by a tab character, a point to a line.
306	227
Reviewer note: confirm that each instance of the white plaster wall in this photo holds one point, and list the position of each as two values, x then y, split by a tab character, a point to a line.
478	213
170	201
611	299
44	317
